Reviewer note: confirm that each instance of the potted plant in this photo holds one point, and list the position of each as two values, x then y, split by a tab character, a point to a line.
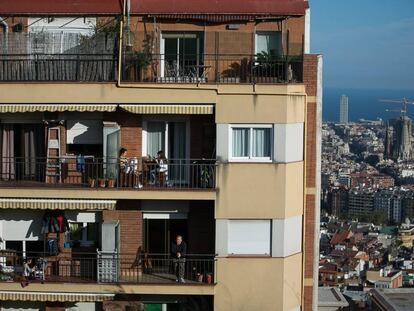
101	182
136	63
111	181
206	173
92	182
18	27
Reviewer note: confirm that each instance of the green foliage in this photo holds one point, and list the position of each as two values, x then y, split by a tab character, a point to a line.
376	217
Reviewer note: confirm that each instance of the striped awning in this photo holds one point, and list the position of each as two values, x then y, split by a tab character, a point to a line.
53	204
55	108
54	297
168	109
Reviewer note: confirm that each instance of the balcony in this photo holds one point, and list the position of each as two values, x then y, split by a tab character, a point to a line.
153	68
58	67
104	268
108	173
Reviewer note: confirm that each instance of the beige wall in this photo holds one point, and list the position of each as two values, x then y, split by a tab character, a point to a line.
259	190
258	283
262	108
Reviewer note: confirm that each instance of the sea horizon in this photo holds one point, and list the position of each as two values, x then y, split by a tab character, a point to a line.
364	103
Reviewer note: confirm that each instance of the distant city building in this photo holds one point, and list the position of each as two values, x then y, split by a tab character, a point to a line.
383	201
397	209
343	110
389	142
400	299
403	132
379	181
344	180
406	234
398	139
338	201
408	206
360	202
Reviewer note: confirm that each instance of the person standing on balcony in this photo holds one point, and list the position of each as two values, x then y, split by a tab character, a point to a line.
178	253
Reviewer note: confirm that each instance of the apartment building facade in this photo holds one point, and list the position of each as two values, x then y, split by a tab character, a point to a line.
230	96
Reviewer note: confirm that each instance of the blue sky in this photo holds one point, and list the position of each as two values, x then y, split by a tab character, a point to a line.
366	44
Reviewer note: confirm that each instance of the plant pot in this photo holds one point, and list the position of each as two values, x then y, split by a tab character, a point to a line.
101	183
92	182
209	279
111	183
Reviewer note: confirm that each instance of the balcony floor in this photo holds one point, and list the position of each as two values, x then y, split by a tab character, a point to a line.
145	278
38	184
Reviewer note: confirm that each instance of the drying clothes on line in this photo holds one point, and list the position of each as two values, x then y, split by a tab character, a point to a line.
54	222
52	247
62	222
49	224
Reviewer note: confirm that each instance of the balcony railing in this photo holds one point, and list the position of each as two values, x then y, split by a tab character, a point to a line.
213	68
58	67
136	173
109	268
153	68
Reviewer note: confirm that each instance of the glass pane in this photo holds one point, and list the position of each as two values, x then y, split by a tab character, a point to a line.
155	138
75	229
177	140
240	142
92	232
261	143
269	43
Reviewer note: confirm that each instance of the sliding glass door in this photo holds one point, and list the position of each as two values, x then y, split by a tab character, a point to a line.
181	54
172	138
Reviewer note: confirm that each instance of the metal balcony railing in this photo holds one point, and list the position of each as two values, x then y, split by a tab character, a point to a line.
212	68
109	268
136	173
153	68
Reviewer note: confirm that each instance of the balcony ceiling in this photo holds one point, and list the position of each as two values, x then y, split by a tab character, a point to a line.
145	7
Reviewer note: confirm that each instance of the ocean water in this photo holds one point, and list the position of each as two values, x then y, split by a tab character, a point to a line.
364	103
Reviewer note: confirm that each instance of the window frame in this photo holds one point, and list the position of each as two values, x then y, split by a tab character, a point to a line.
250	157
268	33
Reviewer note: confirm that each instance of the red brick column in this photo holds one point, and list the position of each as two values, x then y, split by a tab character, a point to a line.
130	222
310	79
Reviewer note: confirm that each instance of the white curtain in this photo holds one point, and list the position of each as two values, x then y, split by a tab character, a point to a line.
178	140
240	142
261	143
155	138
178	171
269	42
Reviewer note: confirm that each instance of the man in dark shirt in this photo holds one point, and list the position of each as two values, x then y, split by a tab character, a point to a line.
178	253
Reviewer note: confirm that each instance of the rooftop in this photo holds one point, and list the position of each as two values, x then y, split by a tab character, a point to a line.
331	297
145	7
398	299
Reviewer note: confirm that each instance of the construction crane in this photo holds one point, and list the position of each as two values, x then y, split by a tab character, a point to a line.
403	102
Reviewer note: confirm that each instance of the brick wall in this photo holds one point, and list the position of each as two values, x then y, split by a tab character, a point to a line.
131	132
231	41
310	79
130	220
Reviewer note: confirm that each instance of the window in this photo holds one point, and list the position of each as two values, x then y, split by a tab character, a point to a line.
249	237
269	42
251	142
85	233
